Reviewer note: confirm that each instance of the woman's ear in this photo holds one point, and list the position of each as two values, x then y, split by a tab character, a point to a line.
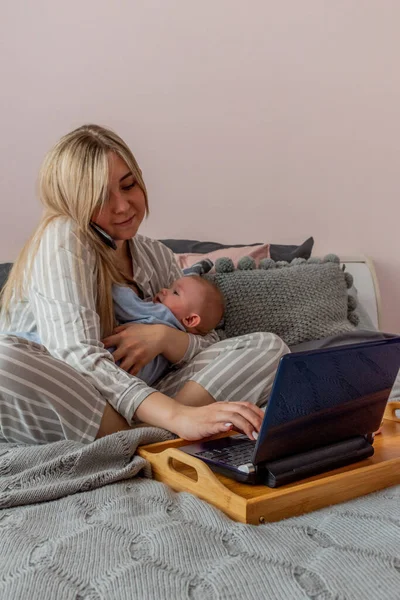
191	321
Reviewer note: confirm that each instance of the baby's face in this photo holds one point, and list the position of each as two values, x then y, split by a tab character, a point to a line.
182	297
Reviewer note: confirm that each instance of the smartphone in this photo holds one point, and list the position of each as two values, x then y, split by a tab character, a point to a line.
107	239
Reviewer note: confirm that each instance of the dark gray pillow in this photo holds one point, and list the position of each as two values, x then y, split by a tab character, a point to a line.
5	268
288	253
305	300
196	247
277	251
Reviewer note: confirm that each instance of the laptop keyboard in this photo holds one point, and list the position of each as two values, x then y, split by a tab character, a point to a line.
236	455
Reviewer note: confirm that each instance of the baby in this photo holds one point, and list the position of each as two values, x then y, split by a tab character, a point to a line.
191	304
196	302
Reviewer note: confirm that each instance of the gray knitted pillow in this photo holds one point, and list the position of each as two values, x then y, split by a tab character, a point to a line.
301	301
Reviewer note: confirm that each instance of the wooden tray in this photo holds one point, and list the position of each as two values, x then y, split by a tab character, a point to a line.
257	504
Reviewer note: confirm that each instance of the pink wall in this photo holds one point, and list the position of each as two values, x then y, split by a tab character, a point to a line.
258	120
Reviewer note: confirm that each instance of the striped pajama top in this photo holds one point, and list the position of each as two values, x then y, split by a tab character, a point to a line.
60	305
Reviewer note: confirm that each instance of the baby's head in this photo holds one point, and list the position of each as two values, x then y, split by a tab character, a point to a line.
196	302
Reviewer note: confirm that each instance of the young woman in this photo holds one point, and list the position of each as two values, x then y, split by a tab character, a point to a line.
60	292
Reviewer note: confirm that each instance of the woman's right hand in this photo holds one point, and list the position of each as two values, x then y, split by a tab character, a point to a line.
195	423
198	422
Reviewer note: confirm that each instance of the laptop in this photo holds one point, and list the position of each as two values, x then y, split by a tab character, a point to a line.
324	408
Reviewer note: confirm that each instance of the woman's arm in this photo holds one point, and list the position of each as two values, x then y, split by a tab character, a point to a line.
62	296
174	344
136	344
190	423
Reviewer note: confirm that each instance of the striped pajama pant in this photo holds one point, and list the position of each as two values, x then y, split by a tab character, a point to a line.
43	399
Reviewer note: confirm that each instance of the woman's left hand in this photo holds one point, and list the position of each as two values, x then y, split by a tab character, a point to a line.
136	345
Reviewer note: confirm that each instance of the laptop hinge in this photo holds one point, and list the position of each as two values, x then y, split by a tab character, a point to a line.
306	464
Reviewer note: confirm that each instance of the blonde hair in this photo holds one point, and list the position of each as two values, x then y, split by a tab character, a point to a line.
73	182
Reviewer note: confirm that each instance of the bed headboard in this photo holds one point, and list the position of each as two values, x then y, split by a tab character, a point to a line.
365	281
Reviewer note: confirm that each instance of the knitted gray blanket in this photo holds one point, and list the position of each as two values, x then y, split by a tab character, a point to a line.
75	524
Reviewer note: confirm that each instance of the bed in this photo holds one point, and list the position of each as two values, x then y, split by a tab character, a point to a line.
87	522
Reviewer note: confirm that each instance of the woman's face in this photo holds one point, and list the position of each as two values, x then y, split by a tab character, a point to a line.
125	207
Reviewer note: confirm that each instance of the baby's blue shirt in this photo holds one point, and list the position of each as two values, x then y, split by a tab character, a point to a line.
129	308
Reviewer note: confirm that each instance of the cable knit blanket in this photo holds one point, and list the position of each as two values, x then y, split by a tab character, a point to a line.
76	524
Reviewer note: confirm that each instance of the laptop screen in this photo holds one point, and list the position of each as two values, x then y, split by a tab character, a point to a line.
325	396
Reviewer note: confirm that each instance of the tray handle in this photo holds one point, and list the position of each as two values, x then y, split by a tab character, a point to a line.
206	484
392	411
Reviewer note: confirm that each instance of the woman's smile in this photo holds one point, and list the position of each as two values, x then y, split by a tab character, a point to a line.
126	223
